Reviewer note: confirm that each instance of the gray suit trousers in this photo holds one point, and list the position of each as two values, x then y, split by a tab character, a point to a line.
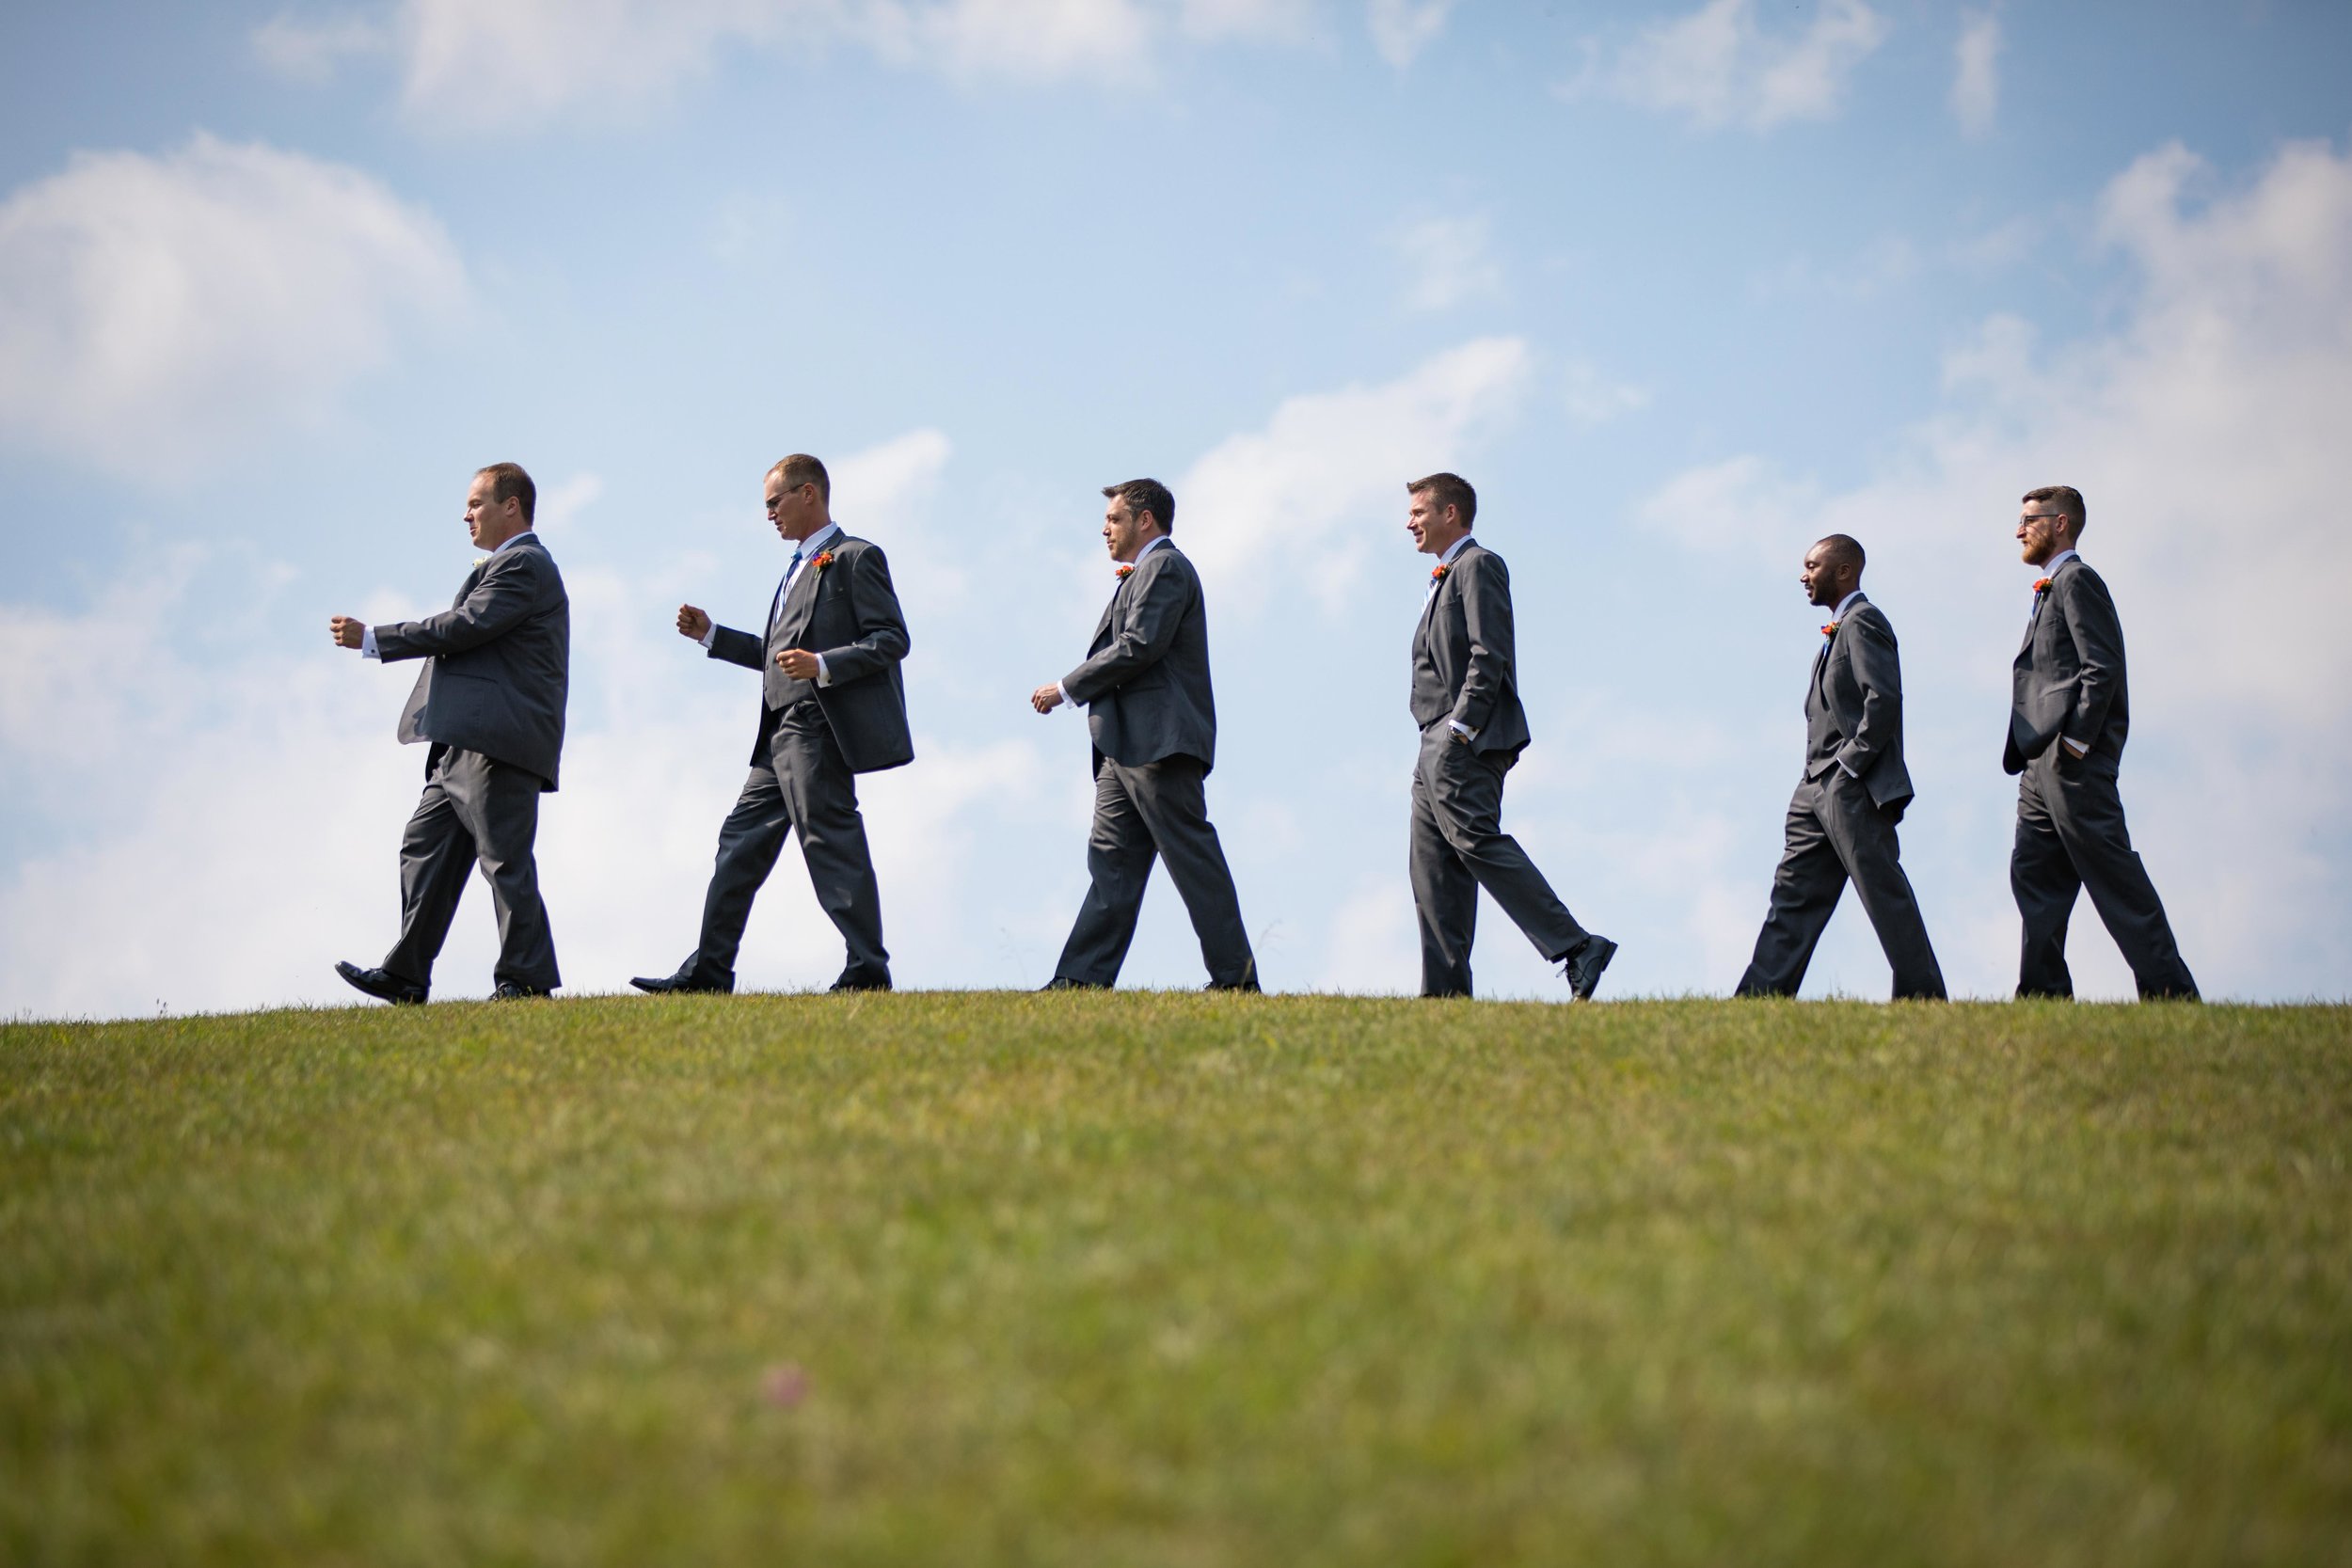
1836	833
2071	836
1458	846
807	787
474	812
1158	811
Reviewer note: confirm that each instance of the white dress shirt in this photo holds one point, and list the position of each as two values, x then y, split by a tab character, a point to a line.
1138	562
803	553
367	638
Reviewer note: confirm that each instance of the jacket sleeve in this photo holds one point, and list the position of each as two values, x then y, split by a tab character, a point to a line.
738	647
508	591
1155	611
1872	654
1486	609
882	629
2098	635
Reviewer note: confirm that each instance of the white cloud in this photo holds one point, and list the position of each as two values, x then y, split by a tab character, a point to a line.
1719	66
619	57
561	504
1400	29
1594	396
1447	262
211	819
154	307
2204	432
1975	71
1307	496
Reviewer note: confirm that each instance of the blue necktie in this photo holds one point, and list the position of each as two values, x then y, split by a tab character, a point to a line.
775	611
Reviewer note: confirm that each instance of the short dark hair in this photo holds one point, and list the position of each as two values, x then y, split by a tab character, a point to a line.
2069	501
1146	495
1844	548
799	469
1447	490
508	482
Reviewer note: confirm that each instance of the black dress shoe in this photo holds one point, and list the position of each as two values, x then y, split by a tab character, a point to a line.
509	992
684	983
1063	982
383	986
1248	983
1585	962
851	980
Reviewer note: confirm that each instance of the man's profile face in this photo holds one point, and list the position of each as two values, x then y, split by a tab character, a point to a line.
1433	527
1124	533
796	511
1819	575
489	523
2041	532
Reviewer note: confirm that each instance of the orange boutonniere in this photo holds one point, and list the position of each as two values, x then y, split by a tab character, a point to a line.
1830	631
1123	573
2041	586
821	559
1437	574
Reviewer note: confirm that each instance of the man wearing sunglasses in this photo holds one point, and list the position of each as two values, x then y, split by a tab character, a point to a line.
2070	710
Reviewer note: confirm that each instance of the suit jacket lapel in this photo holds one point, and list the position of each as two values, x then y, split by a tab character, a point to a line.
800	599
1436	591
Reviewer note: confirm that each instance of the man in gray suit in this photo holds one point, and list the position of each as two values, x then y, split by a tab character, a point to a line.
1465	698
1854	788
1145	687
832	706
2069	713
490	702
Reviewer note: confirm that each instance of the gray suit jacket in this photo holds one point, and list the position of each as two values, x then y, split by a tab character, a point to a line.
1463	667
846	611
2068	678
1854	706
498	662
1145	682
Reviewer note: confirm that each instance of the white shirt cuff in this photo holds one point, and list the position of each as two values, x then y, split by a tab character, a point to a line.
2074	746
367	644
823	677
1067	700
710	634
1849	767
1463	730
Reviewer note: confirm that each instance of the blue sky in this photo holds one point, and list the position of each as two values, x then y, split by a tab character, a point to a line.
1679	287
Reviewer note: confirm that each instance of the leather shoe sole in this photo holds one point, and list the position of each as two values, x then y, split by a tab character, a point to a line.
677	985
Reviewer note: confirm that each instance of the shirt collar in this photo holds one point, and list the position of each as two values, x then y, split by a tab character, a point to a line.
1149	549
1453	549
2049	567
1844	605
817	541
516	540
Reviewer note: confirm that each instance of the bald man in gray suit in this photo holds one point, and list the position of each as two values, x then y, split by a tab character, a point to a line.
1153	716
1466	699
488	704
1854	788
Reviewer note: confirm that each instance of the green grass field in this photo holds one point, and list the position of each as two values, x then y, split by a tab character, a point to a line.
1176	1279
